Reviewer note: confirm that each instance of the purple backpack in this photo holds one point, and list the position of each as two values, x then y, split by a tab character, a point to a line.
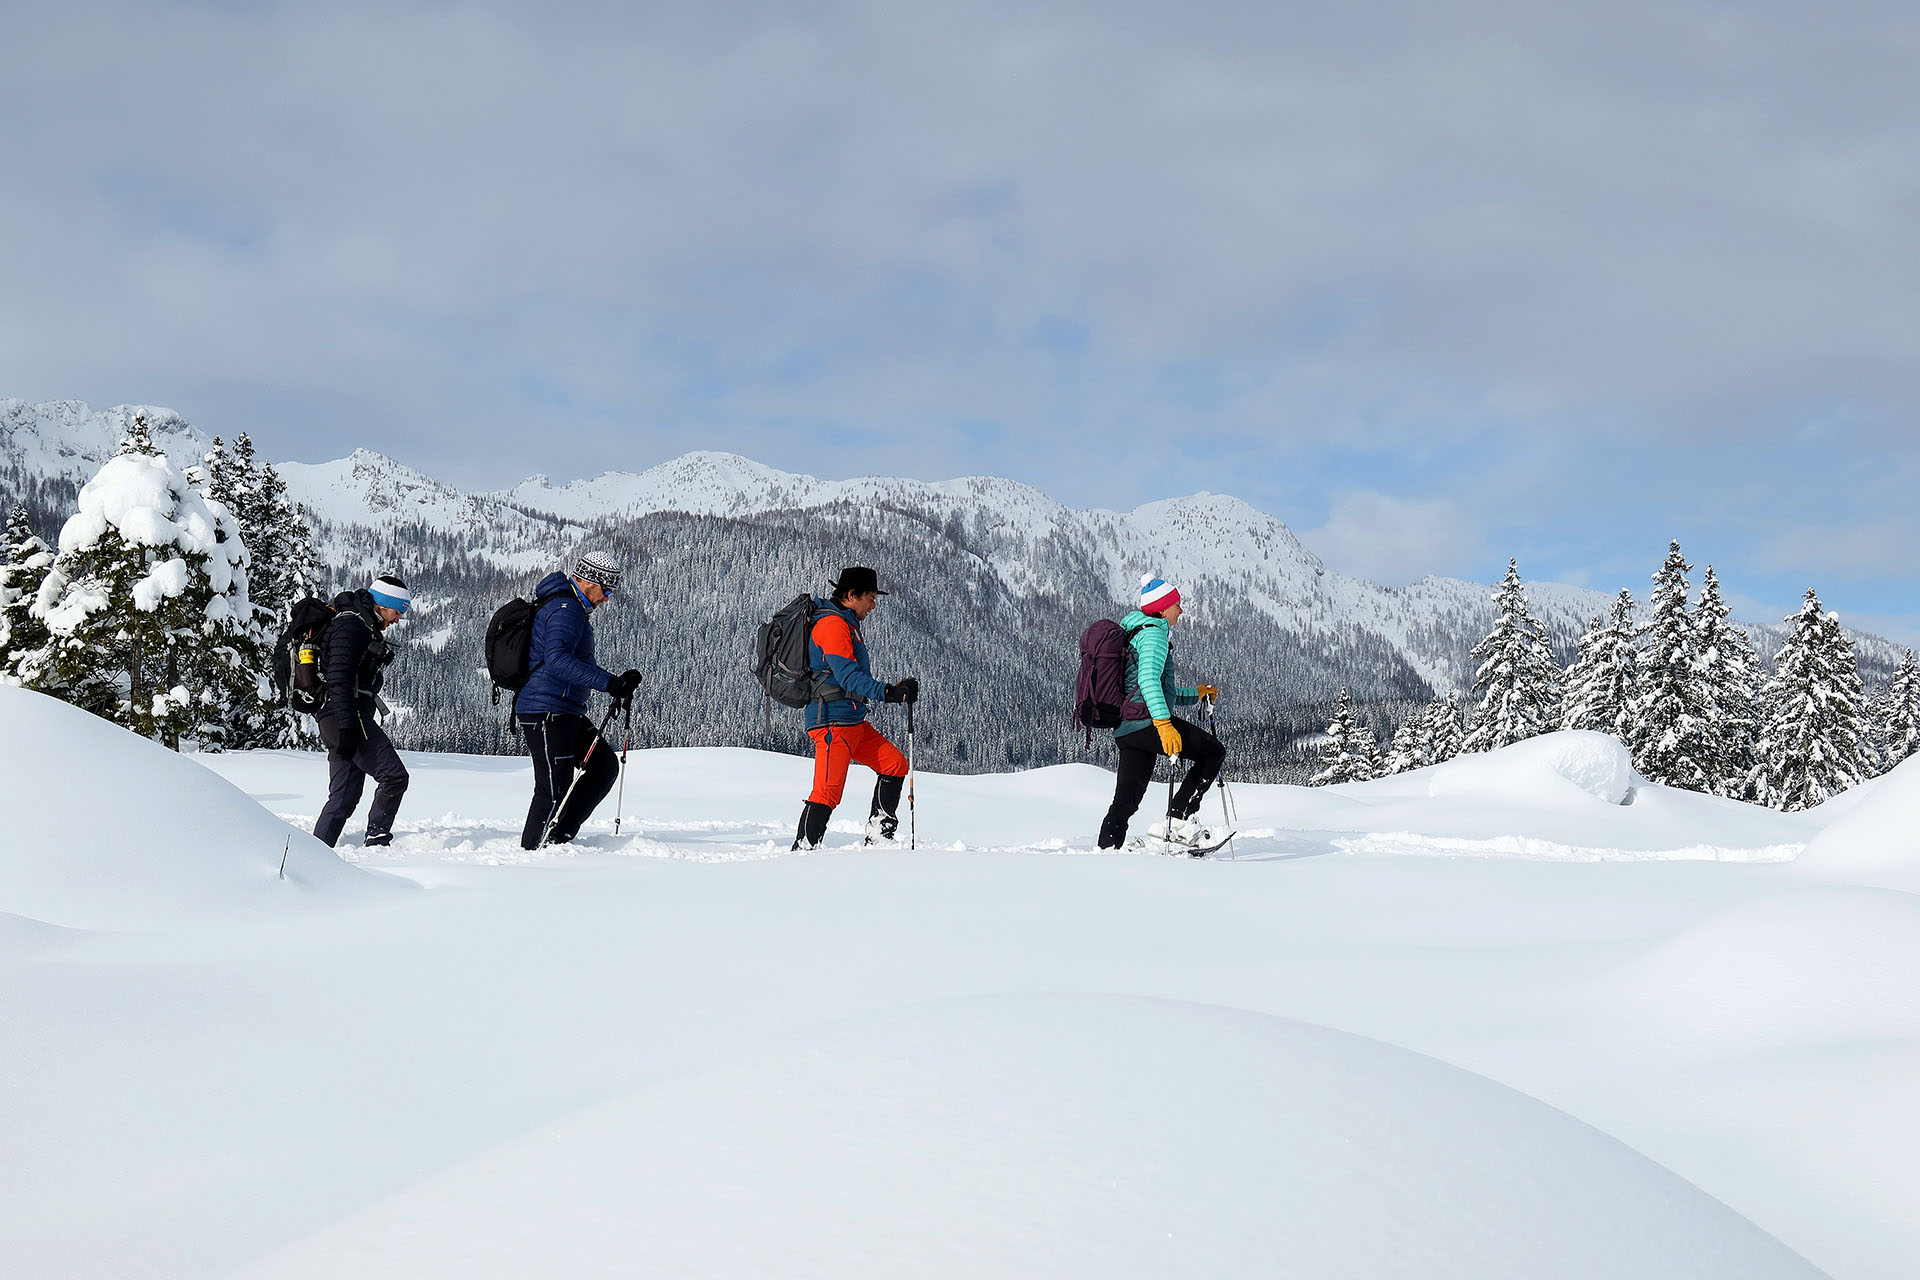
1100	694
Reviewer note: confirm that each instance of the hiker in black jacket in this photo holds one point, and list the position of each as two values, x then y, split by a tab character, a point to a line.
354	662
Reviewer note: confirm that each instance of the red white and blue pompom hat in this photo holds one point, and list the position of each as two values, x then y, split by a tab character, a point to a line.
392	593
1157	595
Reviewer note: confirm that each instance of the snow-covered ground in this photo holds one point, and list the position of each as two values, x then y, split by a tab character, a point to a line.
1519	1016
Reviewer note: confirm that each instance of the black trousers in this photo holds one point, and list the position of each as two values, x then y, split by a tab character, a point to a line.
557	743
347	778
1139	752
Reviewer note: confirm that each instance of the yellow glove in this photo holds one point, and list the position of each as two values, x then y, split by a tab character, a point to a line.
1169	737
1209	692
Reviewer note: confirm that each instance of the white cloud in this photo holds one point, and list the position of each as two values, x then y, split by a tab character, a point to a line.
1394	541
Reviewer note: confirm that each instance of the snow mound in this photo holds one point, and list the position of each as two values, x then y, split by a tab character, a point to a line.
1574	768
1058	1136
106	830
1797	969
1875	840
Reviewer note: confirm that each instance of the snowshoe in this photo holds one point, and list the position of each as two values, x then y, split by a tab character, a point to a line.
1181	836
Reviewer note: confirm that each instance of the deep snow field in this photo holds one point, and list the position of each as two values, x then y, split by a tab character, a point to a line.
1484	1020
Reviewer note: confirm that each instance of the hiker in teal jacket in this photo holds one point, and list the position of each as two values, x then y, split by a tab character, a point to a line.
1142	742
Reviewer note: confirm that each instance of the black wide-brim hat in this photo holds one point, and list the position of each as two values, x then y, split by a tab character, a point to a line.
857	580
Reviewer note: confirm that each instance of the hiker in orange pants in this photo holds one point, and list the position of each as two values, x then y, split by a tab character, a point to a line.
837	717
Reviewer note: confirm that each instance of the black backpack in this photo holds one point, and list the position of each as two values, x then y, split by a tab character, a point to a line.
780	660
299	680
510	642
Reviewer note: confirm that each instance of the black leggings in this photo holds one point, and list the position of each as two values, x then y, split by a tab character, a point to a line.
557	742
1139	752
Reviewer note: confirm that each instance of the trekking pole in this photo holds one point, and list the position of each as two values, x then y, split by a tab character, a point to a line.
1229	812
580	771
1173	774
626	740
913	815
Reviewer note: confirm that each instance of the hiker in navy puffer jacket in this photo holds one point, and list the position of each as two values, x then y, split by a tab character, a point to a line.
552	706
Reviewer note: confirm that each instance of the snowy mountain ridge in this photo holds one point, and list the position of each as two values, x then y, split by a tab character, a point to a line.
1214	545
996	579
65	439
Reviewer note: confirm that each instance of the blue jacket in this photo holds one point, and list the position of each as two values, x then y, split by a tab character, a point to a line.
560	654
839	659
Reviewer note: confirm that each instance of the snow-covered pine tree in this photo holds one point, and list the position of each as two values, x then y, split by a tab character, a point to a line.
1409	748
139	438
1351	750
1668	728
285	562
1897	715
1516	686
27	560
146	603
1442	729
216	468
1814	745
1604	679
1729	672
281	570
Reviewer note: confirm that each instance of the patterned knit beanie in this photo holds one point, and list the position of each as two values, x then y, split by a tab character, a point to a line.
599	569
1156	595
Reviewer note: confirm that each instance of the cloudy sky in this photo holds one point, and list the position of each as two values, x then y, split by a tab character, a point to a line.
1434	283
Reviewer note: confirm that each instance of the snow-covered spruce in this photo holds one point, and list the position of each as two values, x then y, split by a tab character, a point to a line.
1351	753
1896	716
1815	744
146	605
1408	750
1443	731
1668	727
1516	685
1730	675
281	571
27	560
1605	679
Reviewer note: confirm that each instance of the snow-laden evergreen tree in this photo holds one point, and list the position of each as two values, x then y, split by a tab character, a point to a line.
285	563
281	570
1814	745
216	473
1409	748
24	567
1605	678
1443	730
1669	729
1516	687
1351	752
1729	673
1897	715
139	438
146	603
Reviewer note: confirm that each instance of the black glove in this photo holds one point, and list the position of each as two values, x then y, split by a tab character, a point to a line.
907	690
348	741
623	686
